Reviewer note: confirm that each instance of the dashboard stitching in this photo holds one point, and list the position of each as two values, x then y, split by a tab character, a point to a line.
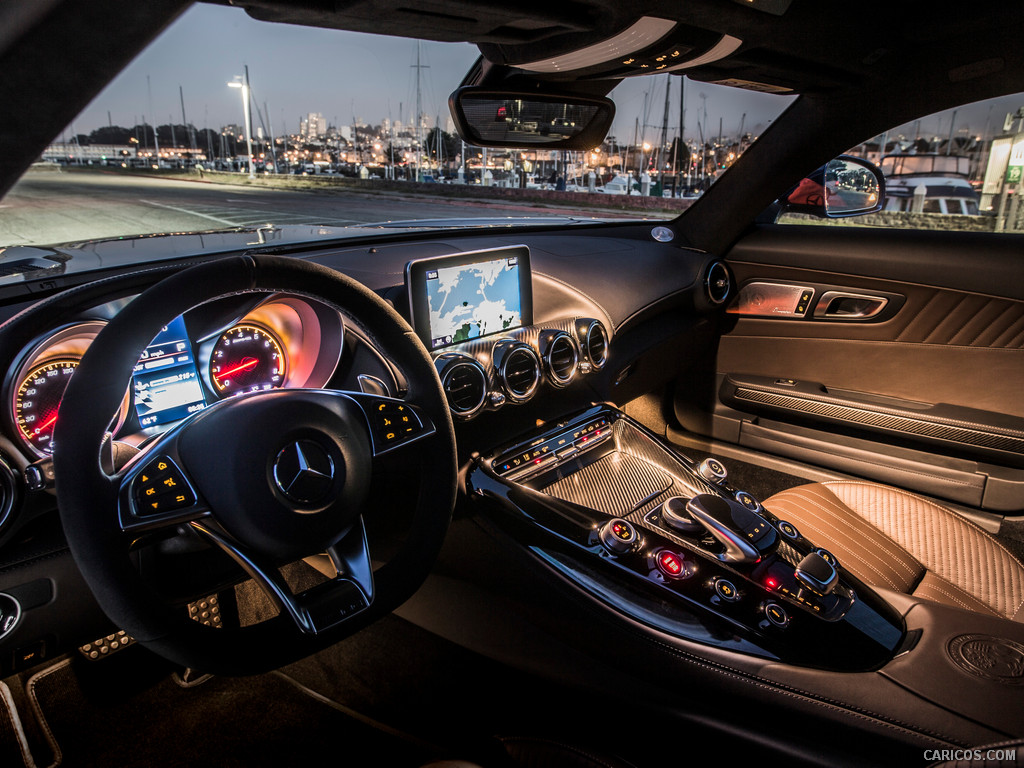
33	559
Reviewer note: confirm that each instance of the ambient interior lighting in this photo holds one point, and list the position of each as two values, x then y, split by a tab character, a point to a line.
724	47
647	31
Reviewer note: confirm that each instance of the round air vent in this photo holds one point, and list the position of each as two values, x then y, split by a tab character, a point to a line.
464	382
518	369
8	492
595	344
561	356
717	283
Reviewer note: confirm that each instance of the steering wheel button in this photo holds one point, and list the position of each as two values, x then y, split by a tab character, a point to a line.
167	502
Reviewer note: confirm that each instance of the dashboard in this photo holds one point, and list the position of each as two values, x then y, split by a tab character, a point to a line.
220	350
565	338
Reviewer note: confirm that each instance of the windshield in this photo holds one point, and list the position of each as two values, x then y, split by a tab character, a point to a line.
227	123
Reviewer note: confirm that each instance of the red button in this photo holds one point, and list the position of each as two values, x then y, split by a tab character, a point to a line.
670	563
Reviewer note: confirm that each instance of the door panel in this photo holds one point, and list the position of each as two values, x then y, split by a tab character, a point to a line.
938	374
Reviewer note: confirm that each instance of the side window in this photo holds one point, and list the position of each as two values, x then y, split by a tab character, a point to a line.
959	169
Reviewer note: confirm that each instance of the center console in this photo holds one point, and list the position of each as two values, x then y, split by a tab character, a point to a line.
672	544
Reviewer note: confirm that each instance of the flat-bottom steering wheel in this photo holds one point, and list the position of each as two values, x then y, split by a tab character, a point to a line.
268	477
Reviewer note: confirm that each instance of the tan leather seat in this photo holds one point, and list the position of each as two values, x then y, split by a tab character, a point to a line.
895	540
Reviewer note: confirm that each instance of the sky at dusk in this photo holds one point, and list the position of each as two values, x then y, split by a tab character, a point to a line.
296	70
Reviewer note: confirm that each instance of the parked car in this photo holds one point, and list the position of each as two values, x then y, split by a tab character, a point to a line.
744	482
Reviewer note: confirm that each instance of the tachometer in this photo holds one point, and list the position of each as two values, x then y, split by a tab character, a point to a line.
247	358
37	399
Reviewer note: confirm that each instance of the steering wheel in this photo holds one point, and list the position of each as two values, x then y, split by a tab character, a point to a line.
268	477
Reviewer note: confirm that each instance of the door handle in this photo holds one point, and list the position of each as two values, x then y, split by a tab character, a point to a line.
842	305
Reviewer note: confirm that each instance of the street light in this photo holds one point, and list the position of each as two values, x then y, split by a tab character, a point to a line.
243	83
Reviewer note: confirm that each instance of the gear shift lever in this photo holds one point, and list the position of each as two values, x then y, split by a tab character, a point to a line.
744	534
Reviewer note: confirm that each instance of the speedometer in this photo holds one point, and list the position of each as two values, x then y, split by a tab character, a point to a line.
247	358
37	399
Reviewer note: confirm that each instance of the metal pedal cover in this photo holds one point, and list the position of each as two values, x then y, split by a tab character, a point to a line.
206	611
106	646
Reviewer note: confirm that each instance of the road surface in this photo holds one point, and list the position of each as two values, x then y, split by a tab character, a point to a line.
49	207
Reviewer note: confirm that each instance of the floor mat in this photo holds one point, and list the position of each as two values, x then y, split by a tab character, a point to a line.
253	721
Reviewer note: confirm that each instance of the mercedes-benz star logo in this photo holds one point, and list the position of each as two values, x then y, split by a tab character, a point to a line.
304	471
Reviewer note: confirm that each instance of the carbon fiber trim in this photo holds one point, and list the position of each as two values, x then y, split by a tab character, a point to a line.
629	489
481	347
921	425
615	484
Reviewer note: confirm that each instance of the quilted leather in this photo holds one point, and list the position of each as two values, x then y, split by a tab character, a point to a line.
893	539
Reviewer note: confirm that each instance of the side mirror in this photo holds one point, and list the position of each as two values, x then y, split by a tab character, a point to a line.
486	117
846	186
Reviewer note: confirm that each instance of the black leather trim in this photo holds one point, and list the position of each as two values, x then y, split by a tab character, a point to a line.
968	429
911	256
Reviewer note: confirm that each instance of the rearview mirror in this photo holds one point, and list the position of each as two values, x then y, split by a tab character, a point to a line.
490	118
846	186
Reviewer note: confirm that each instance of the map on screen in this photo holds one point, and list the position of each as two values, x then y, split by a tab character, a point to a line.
472	300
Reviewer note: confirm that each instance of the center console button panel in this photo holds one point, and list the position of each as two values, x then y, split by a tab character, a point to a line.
603	502
527	461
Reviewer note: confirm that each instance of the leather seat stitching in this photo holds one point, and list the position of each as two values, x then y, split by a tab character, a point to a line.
911	567
849	552
943	590
946	512
953	519
826	523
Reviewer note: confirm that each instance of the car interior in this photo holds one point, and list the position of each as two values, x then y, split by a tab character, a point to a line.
731	483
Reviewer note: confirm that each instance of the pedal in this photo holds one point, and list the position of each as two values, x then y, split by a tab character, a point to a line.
106	646
207	611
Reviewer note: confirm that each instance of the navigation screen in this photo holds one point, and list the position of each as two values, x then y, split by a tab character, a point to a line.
459	298
166	383
474	300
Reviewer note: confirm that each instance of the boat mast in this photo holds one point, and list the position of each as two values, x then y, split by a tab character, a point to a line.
664	135
419	108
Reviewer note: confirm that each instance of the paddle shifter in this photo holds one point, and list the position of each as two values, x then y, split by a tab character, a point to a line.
745	535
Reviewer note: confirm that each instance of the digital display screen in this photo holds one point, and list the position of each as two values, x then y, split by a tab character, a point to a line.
455	299
165	379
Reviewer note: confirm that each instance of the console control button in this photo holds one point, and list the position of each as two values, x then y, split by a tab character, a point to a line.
618	536
726	590
776	615
712	470
747	500
673	564
675	516
788	530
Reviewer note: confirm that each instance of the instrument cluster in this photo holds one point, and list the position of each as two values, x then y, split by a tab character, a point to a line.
222	349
